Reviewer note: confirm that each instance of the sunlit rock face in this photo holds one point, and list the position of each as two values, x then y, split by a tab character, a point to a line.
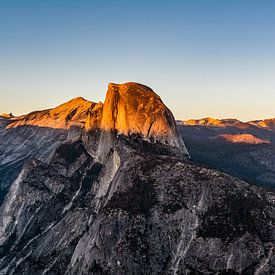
243	138
71	113
266	123
129	108
133	108
209	121
7	116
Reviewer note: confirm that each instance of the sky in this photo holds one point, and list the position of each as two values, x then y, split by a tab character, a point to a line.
205	58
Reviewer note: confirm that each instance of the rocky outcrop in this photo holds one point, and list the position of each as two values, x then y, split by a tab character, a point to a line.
7	116
71	113
133	108
36	136
20	144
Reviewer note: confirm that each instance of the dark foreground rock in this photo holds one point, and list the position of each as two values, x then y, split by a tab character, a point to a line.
133	213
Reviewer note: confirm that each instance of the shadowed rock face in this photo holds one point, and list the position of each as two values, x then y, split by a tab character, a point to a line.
20	144
132	213
116	199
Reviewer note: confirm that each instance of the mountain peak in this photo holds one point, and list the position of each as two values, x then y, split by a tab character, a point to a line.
133	108
8	116
266	123
77	100
72	112
129	108
132	87
209	121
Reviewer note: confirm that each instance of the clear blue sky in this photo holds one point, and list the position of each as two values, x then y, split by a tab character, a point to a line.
204	58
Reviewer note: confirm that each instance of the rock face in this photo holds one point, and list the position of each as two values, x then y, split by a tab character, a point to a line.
114	200
133	108
37	135
20	144
133	213
129	109
71	113
4	115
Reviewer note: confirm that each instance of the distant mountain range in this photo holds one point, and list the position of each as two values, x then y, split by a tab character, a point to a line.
266	123
242	149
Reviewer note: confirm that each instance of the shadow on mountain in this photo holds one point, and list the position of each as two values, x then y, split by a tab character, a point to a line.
254	163
21	144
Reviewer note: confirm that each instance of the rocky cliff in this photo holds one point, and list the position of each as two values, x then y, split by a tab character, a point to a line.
119	198
129	109
133	108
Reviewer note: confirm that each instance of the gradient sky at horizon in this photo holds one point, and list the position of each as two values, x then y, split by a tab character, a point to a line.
203	57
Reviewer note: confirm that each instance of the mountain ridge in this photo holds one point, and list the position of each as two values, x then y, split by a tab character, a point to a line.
97	200
244	150
209	121
129	108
